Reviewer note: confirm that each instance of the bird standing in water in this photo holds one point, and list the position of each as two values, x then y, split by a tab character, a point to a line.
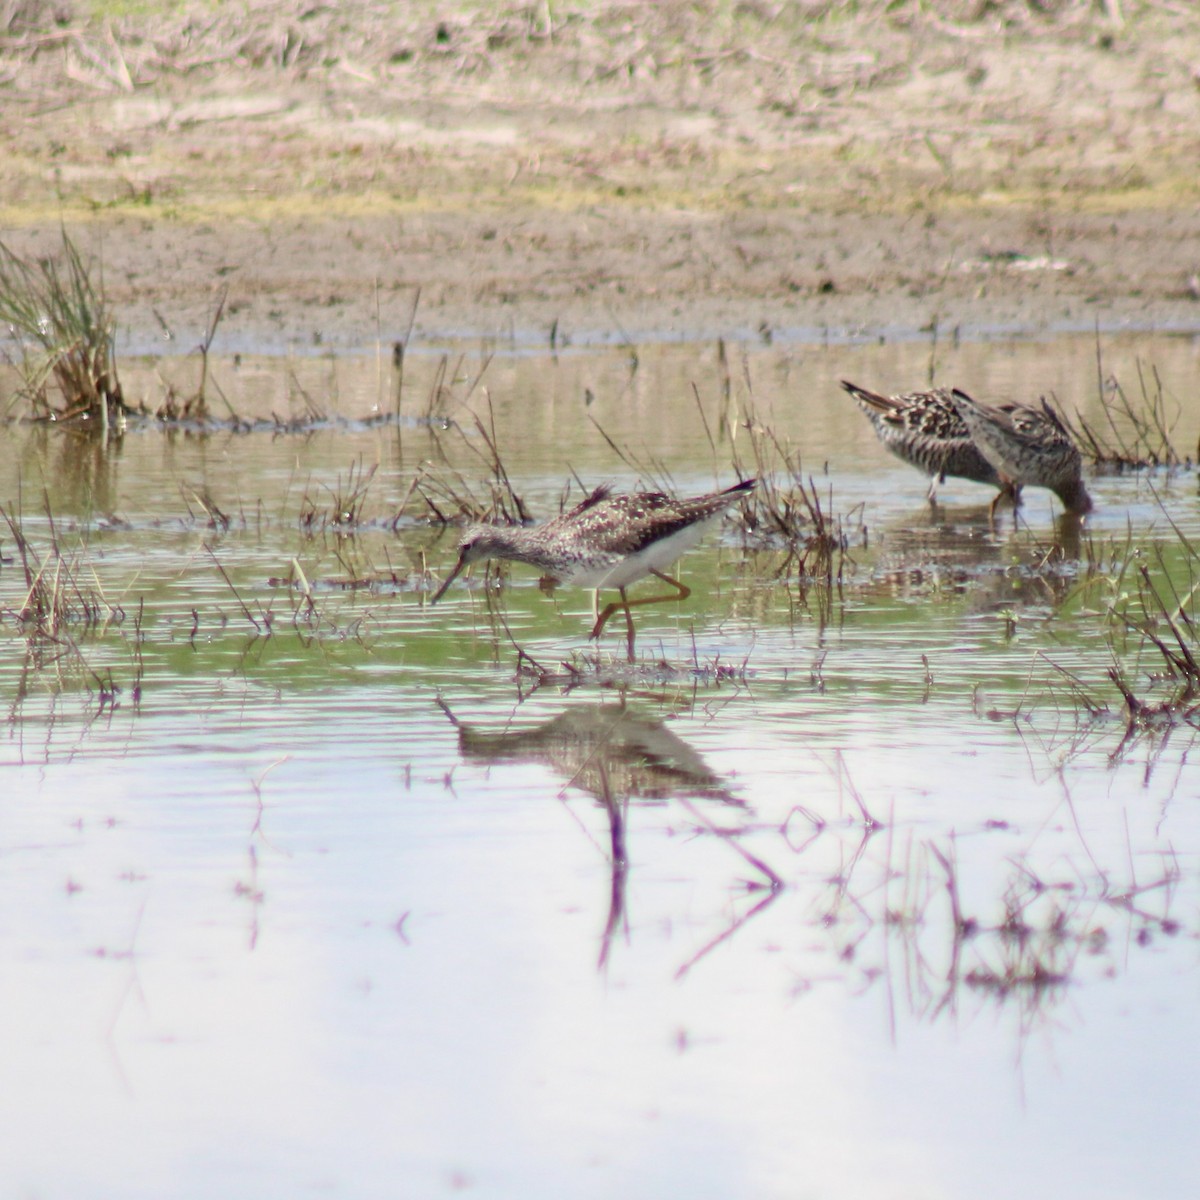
605	541
927	432
1028	445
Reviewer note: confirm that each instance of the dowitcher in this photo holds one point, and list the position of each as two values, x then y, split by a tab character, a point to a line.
605	541
1029	445
927	432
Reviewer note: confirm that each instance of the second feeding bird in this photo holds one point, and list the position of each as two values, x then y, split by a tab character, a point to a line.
1029	445
605	541
926	430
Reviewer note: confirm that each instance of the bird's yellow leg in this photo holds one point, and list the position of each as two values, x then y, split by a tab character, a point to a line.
682	592
628	626
1009	490
604	614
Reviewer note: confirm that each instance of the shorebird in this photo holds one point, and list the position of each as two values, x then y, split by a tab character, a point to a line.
1028	445
605	541
927	432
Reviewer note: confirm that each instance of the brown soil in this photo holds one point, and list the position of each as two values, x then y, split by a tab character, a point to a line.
707	168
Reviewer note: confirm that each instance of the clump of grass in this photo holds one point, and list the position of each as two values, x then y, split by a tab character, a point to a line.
52	610
59	316
56	602
345	511
822	553
1163	621
788	508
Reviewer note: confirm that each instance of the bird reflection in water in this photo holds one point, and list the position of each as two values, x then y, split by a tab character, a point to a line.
615	755
962	550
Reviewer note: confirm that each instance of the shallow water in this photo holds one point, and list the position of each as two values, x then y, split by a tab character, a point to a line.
339	901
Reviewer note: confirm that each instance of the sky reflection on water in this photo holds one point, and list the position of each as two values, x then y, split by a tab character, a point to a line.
337	910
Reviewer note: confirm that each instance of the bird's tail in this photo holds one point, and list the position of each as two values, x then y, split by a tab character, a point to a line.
872	402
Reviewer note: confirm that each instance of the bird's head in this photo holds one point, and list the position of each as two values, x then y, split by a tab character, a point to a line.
479	542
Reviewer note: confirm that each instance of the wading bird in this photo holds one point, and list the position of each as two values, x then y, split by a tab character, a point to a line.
605	541
1028	445
927	432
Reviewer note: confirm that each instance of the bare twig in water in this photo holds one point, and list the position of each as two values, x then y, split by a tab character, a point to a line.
237	595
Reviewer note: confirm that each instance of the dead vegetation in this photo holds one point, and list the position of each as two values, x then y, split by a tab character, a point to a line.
192	409
61	344
141	45
443	494
1132	435
1156	648
343	506
55	609
789	512
54	603
58	602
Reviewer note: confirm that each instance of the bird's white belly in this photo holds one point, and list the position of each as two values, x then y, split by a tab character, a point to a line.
657	556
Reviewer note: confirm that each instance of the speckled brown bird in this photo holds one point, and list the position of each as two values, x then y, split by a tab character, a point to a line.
605	541
925	430
1029	445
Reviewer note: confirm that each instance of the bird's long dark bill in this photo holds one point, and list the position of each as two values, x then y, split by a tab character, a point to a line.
458	566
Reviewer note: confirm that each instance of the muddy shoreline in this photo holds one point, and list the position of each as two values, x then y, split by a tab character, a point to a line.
610	276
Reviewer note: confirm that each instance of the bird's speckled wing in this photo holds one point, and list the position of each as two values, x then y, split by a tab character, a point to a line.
1035	427
931	414
618	526
1029	445
926	431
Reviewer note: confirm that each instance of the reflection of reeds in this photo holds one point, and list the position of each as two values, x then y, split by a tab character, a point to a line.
215	518
61	320
915	915
264	622
939	951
